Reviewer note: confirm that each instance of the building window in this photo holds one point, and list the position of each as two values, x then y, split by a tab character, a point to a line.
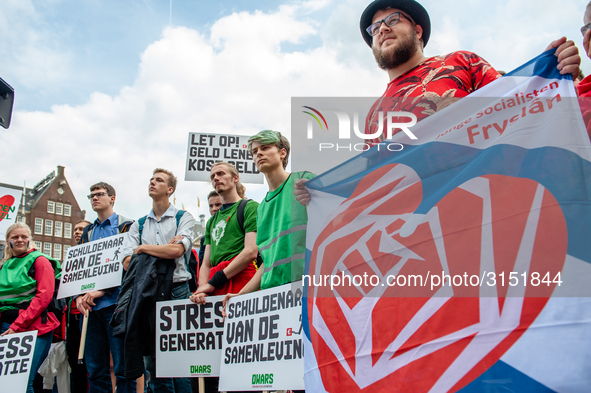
47	249
38	245
57	251
48	227
66	248
58	228
50	207
59	208
39	226
21	219
68	230
67	210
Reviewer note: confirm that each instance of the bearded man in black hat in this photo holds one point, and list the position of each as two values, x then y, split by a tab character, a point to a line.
397	32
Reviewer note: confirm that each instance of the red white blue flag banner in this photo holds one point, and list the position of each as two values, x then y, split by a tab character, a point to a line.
461	262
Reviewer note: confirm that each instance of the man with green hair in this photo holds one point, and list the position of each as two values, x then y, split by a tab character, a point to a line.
281	220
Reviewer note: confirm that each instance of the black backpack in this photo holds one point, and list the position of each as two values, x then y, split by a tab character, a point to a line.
240	218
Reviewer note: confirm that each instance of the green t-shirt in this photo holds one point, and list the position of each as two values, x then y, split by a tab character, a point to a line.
223	232
281	234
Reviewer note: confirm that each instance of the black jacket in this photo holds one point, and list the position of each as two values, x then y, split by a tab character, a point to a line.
201	254
148	280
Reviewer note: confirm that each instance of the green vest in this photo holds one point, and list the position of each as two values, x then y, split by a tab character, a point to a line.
281	234
17	288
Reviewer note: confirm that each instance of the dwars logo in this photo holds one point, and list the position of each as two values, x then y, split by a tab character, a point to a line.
418	339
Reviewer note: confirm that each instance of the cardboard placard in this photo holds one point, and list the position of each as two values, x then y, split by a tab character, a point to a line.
204	150
263	347
92	266
189	338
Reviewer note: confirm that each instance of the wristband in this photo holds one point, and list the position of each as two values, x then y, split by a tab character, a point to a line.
219	279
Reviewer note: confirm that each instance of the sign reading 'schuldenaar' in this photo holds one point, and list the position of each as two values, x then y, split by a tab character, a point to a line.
16	354
204	150
263	341
92	266
189	338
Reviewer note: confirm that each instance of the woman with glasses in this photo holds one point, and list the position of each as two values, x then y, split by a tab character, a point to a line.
27	285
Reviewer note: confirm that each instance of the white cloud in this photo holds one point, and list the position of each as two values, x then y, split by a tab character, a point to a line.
238	80
506	33
30	49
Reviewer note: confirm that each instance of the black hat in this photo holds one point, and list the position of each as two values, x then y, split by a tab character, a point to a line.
411	7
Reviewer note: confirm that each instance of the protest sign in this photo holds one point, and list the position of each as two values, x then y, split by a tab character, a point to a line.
461	261
204	150
92	266
263	341
16	355
189	338
9	202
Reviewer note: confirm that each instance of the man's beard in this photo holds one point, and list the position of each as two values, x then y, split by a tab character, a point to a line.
406	48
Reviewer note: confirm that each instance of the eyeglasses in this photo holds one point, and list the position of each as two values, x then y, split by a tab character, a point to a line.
585	28
96	195
390	20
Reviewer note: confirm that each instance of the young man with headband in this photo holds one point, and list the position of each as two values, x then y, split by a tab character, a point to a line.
230	250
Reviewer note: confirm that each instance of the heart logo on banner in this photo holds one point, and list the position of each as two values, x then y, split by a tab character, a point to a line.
6	203
410	336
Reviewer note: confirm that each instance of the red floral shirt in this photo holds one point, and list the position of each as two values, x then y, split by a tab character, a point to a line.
584	91
431	86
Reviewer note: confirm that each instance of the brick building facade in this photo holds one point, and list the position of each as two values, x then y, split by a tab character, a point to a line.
51	210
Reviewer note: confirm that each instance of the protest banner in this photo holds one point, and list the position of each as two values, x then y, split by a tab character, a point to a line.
204	150
9	202
16	355
189	338
263	341
461	261
92	266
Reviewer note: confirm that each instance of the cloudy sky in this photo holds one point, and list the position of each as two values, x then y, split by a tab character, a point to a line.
110	89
